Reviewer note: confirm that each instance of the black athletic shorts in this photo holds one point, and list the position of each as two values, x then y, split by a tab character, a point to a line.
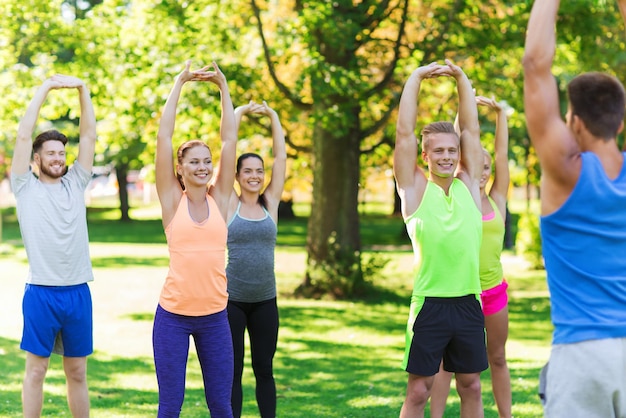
452	329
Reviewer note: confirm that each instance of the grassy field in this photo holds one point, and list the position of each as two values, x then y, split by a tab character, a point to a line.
334	359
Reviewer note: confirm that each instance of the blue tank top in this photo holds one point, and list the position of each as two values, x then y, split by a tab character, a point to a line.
584	248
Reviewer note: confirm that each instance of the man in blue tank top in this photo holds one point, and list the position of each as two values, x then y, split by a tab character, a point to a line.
583	202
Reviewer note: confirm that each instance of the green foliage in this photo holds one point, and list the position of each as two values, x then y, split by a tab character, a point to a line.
332	70
529	239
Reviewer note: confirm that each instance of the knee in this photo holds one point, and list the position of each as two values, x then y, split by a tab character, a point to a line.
76	373
262	369
469	388
497	358
37	373
417	395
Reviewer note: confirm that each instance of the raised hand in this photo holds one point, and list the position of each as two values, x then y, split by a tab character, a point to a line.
265	109
60	81
216	76
490	103
250	107
451	70
431	70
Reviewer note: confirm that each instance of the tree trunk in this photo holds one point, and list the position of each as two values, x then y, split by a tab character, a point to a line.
334	239
121	171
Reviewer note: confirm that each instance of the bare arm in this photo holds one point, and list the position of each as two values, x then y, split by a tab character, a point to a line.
24	142
87	129
471	150
555	146
410	178
274	190
222	187
167	185
501	178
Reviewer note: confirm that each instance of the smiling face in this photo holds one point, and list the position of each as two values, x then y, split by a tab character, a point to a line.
251	174
486	174
51	160
195	166
441	152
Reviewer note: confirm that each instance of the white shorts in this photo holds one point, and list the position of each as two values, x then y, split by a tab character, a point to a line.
586	379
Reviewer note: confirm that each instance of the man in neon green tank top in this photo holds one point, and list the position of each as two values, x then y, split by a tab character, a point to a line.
443	219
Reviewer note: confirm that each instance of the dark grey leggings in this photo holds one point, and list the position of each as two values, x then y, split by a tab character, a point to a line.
261	319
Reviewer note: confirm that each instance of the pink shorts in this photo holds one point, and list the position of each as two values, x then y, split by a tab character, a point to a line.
495	299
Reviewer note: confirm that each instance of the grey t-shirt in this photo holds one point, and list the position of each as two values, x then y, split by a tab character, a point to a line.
250	268
53	222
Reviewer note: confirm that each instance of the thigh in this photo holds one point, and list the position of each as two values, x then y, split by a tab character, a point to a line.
497	327
467	351
582	379
431	334
237	320
170	344
77	328
215	353
495	299
41	323
263	329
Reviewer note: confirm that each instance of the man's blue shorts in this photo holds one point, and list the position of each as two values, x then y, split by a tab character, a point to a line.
52	311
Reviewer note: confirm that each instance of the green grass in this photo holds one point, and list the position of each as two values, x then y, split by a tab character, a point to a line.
334	358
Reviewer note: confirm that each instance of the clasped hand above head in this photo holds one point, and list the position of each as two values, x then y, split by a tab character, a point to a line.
60	81
435	69
203	74
257	108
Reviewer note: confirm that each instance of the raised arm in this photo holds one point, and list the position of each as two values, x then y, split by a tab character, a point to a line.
471	150
24	141
410	178
222	187
167	185
87	128
274	190
555	145
501	177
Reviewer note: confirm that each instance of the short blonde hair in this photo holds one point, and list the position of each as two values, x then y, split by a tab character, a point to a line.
437	128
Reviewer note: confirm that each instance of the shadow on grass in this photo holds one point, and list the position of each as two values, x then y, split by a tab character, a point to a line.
111	388
529	319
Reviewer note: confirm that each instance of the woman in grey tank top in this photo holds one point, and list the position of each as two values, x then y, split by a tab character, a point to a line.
252	220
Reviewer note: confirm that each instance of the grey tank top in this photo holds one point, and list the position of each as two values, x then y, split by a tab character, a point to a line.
250	267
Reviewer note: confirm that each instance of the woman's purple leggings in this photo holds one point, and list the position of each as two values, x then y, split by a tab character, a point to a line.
214	345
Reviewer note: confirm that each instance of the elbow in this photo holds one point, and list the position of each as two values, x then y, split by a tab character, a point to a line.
529	62
535	63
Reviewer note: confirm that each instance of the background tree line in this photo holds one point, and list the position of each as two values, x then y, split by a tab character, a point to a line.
333	70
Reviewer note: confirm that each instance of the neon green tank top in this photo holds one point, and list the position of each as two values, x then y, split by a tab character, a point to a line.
491	273
446	232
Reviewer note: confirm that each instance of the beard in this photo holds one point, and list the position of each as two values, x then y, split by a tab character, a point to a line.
53	174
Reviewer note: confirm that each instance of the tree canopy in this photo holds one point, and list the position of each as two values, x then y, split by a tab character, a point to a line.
333	71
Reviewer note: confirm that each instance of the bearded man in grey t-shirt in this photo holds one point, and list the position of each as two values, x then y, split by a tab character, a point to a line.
52	216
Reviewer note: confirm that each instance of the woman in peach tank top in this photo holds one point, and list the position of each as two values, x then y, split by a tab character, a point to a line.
194	297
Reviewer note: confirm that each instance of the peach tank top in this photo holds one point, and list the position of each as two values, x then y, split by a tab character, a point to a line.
196	281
